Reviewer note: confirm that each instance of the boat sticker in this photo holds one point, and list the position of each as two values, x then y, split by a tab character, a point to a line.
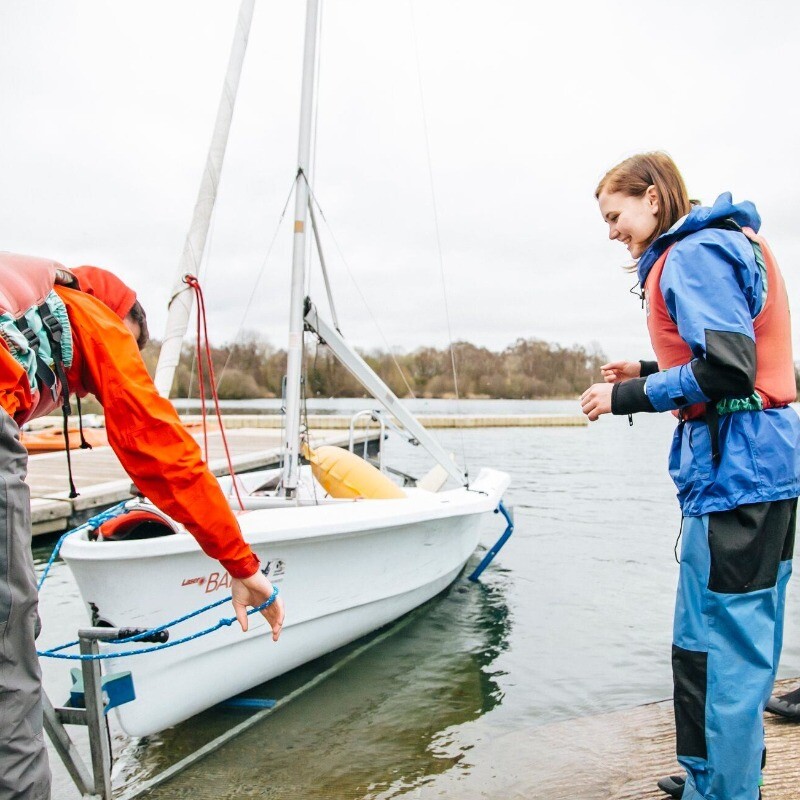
217	580
274	569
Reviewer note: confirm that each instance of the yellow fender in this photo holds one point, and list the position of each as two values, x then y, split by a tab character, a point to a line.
345	475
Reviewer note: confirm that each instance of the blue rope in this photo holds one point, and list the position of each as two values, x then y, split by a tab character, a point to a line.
147	633
225	621
92	524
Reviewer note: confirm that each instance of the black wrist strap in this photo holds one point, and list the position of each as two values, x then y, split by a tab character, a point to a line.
629	397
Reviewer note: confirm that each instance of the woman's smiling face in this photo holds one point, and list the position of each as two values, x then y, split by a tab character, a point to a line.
631	220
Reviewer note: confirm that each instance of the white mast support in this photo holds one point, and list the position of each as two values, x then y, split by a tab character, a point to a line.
380	391
323	267
182	297
295	352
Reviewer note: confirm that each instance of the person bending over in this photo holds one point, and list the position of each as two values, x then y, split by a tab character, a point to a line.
57	339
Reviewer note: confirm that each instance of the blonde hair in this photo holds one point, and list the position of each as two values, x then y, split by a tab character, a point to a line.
634	175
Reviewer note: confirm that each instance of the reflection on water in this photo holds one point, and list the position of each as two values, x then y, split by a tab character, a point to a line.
373	728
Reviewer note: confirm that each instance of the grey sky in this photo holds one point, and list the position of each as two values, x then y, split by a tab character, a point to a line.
107	108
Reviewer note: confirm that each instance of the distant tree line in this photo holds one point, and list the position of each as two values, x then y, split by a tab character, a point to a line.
527	369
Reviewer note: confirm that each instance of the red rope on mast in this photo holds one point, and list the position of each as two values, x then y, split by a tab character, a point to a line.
201	378
204	351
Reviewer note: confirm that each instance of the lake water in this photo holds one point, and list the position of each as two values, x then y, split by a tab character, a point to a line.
421	406
572	619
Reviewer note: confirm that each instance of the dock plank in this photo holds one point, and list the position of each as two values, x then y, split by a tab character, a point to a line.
254	438
101	481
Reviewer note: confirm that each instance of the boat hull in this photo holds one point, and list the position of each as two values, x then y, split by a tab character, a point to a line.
344	571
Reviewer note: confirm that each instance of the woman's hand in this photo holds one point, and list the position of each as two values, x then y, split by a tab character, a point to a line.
254	591
618	371
596	400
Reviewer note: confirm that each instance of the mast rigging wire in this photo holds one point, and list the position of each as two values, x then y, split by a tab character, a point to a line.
415	39
260	275
360	293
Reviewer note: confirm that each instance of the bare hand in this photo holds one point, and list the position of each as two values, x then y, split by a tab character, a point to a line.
596	400
254	591
618	371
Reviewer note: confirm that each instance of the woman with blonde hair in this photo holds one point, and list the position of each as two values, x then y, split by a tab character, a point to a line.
718	318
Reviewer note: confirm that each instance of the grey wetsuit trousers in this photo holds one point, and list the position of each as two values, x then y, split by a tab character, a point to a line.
24	771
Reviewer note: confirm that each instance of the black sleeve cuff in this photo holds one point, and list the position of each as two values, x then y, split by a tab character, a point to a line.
648	368
629	397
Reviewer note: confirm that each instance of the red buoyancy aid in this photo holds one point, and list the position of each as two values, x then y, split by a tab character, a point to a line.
775	381
25	283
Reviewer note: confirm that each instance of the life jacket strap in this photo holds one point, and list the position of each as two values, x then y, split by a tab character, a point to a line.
44	375
54	332
84	444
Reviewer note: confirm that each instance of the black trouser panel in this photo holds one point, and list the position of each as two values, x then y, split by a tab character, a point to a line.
747	545
689	671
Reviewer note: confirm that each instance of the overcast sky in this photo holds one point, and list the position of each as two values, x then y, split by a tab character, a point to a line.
107	109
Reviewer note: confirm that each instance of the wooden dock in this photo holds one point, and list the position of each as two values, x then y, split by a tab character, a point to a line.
101	481
254	438
615	756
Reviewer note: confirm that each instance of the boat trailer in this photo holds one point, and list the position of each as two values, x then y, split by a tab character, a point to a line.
91	698
100	695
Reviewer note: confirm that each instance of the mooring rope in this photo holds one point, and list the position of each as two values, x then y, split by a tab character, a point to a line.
90	525
93	524
53	652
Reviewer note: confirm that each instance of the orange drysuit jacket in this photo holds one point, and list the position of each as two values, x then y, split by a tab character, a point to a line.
143	428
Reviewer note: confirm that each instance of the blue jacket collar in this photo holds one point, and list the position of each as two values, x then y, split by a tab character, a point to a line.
700	217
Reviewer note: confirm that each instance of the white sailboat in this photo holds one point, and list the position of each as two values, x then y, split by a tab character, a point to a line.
345	567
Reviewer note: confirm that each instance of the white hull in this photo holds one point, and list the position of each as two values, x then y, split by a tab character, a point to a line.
344	568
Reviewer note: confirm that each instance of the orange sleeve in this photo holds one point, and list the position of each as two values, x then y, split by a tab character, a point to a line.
146	434
15	389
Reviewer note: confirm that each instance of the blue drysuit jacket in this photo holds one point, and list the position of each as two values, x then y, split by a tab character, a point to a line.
712	285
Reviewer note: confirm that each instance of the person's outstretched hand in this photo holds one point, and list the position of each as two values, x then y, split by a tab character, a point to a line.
618	371
254	591
596	400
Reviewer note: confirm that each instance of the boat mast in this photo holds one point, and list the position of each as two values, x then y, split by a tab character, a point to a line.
182	297
296	323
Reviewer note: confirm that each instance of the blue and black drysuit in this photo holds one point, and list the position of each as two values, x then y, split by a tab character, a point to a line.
738	477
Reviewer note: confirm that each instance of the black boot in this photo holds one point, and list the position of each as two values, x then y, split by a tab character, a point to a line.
787	705
672	785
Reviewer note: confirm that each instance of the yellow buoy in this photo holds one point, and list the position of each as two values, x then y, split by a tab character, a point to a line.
344	474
